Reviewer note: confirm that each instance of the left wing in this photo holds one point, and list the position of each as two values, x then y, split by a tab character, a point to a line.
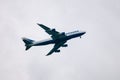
56	46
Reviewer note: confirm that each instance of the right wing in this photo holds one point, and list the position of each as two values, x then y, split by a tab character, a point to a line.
52	32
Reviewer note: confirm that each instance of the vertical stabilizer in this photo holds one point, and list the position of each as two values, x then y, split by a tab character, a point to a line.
27	42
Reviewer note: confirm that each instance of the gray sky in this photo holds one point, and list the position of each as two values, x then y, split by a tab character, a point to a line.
96	56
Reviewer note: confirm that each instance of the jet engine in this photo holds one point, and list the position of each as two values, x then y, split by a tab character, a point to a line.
53	30
65	45
57	51
50	31
63	33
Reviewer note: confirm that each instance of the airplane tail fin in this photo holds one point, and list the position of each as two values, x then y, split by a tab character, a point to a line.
28	43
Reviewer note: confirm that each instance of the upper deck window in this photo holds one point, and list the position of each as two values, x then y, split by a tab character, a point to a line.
74	32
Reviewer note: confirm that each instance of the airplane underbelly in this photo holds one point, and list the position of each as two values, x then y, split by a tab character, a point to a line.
44	43
73	36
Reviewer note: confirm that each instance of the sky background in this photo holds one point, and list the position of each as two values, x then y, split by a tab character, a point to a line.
96	56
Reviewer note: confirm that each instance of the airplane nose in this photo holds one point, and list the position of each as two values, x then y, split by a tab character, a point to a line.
83	33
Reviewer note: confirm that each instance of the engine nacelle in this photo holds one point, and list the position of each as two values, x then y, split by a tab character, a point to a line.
53	30
65	45
63	33
57	51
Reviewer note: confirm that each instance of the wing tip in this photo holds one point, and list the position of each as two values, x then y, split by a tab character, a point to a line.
39	24
47	54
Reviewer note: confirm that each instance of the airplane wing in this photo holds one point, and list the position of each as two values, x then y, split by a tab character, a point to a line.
52	32
56	46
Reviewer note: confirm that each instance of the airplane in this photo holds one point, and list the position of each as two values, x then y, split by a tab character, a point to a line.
59	39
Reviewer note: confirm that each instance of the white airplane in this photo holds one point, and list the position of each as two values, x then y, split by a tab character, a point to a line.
57	38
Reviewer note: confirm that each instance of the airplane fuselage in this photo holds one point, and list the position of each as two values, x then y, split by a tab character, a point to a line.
67	36
57	38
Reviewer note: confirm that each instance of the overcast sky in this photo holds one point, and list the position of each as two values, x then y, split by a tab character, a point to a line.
96	56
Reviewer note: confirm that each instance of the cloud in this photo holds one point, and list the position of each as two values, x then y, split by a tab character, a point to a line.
95	56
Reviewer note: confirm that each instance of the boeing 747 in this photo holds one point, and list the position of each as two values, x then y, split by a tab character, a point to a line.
57	38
